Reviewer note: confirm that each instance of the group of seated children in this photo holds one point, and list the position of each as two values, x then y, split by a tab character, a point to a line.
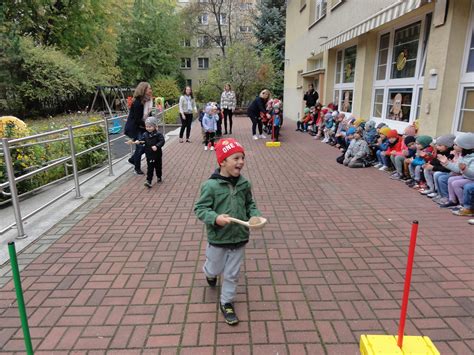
441	169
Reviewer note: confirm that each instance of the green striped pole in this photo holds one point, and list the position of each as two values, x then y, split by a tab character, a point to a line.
19	296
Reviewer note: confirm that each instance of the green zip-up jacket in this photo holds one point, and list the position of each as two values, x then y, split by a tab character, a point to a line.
219	196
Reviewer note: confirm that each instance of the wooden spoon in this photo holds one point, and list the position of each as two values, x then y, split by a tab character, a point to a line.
253	223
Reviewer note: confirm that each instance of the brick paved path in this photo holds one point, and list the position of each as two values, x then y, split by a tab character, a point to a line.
126	278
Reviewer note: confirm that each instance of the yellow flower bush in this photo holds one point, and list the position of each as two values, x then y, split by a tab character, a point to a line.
12	127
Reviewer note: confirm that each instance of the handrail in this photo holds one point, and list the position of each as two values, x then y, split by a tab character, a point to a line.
11	144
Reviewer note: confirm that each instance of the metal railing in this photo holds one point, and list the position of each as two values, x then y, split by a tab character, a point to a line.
67	135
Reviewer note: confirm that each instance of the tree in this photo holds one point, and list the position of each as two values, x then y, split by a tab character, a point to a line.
149	43
167	87
246	70
270	34
216	20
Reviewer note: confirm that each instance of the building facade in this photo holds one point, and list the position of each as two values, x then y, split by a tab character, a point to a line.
390	61
202	48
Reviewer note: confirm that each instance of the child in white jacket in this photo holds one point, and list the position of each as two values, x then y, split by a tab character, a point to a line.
209	124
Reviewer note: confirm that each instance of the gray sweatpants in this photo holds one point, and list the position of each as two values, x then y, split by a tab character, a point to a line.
227	262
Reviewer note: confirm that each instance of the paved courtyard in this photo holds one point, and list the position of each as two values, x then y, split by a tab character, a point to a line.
122	275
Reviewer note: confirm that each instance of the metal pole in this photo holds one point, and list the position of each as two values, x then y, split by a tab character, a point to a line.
107	140
74	162
13	190
406	291
19	297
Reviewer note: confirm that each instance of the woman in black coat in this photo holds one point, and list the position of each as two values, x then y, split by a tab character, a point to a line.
256	109
135	126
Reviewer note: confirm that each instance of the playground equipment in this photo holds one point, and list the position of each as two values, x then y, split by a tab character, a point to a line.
390	344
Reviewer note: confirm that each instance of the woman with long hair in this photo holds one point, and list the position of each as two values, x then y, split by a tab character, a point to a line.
256	110
135	127
228	103
187	106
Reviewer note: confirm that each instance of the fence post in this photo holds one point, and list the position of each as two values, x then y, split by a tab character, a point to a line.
19	297
109	148
74	162
13	189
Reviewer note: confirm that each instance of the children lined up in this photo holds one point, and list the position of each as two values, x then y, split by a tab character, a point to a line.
441	169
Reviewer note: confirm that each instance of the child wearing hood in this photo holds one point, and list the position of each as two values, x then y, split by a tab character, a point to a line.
210	126
300	124
398	160
358	150
443	145
381	146
424	154
464	166
329	127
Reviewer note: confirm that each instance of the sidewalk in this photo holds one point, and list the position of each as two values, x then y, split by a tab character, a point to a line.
123	276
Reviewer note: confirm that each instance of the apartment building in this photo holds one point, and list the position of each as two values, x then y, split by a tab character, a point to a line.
204	45
390	61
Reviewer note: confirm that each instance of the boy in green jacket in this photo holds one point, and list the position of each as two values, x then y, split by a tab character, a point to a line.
226	194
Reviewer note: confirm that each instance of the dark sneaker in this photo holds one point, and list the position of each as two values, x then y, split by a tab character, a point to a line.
211	281
139	172
147	184
131	161
448	204
160	179
229	313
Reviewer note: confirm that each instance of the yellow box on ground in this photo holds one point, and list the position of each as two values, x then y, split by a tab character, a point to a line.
387	344
272	144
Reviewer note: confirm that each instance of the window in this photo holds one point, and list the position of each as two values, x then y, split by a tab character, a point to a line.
203	19
405	51
320	9
185	63
383	56
186	42
378	103
344	78
245	29
418	106
466	119
203	63
203	41
470	55
398	74
202	81
399	104
189	82
223	19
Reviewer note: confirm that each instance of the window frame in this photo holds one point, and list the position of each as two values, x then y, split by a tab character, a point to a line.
320	10
341	86
203	41
466	78
187	60
199	63
223	18
388	83
186	43
201	19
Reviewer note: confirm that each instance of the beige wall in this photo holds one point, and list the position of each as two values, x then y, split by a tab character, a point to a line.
444	54
447	61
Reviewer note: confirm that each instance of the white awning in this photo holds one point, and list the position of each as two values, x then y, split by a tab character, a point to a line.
400	8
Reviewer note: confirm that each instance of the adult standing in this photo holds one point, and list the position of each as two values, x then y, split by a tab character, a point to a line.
187	106
311	96
256	110
135	127
228	103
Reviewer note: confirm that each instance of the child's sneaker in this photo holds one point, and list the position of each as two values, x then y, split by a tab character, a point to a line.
377	166
212	147
432	194
229	313
147	184
383	168
211	281
255	137
395	176
205	147
262	136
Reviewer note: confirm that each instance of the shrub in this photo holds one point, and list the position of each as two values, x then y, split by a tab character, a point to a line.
167	87
172	116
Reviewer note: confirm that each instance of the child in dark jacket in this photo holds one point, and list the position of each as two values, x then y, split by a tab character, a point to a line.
424	154
226	194
153	142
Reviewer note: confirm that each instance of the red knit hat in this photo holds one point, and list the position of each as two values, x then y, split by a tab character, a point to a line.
226	147
392	134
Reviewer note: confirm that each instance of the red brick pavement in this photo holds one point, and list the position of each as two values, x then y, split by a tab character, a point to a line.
126	279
